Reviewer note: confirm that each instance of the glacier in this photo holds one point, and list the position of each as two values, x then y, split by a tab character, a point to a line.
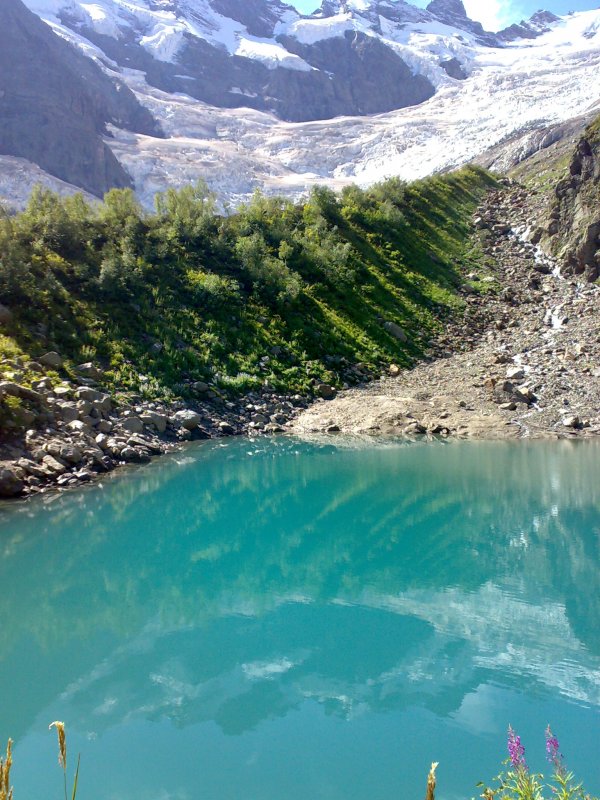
520	85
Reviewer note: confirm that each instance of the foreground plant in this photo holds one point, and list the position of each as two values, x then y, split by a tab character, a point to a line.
431	782
518	783
6	792
62	757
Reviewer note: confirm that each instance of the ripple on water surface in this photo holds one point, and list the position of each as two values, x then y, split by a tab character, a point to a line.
258	620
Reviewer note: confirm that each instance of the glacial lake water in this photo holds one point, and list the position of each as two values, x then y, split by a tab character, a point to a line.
288	620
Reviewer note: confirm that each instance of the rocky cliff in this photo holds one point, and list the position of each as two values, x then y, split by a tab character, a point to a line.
574	229
55	104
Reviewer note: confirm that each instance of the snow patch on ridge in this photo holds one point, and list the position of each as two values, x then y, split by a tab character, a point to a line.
270	53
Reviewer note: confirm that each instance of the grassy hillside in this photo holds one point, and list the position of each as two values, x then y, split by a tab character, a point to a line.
277	293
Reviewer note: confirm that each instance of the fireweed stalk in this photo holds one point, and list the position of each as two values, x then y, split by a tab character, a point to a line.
564	787
518	783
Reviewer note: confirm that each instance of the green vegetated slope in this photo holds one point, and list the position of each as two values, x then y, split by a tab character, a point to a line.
278	293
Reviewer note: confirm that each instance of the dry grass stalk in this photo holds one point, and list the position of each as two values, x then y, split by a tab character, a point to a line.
6	792
62	742
431	782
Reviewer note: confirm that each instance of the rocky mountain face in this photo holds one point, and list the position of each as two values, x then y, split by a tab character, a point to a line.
260	54
55	104
574	229
345	59
250	93
453	13
541	22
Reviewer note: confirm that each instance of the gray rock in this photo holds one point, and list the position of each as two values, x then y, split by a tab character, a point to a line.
188	419
104	426
44	386
130	454
132	424
396	331
31	395
52	360
91	395
67	411
200	387
572	421
515	373
84	408
71	454
102	441
104	405
154	420
31	468
11	481
78	426
10	389
89	370
326	391
54	465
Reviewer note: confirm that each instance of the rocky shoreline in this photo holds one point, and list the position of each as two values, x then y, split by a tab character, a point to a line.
78	431
523	362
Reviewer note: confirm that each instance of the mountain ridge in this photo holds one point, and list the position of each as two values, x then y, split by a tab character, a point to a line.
373	88
54	108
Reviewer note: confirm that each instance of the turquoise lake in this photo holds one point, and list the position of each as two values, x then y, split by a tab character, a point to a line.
288	620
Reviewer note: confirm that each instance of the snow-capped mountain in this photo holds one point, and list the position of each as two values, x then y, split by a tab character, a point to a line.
351	57
251	93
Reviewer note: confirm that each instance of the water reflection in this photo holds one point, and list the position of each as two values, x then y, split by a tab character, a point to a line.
236	583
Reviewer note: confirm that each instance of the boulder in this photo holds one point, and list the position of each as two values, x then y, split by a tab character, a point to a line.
11	481
132	424
78	426
200	387
130	454
53	464
67	411
102	441
396	331
71	454
91	395
84	408
104	405
515	374
104	426
9	388
572	421
188	419
88	370
31	468
52	360
326	391
31	395
154	420
44	386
